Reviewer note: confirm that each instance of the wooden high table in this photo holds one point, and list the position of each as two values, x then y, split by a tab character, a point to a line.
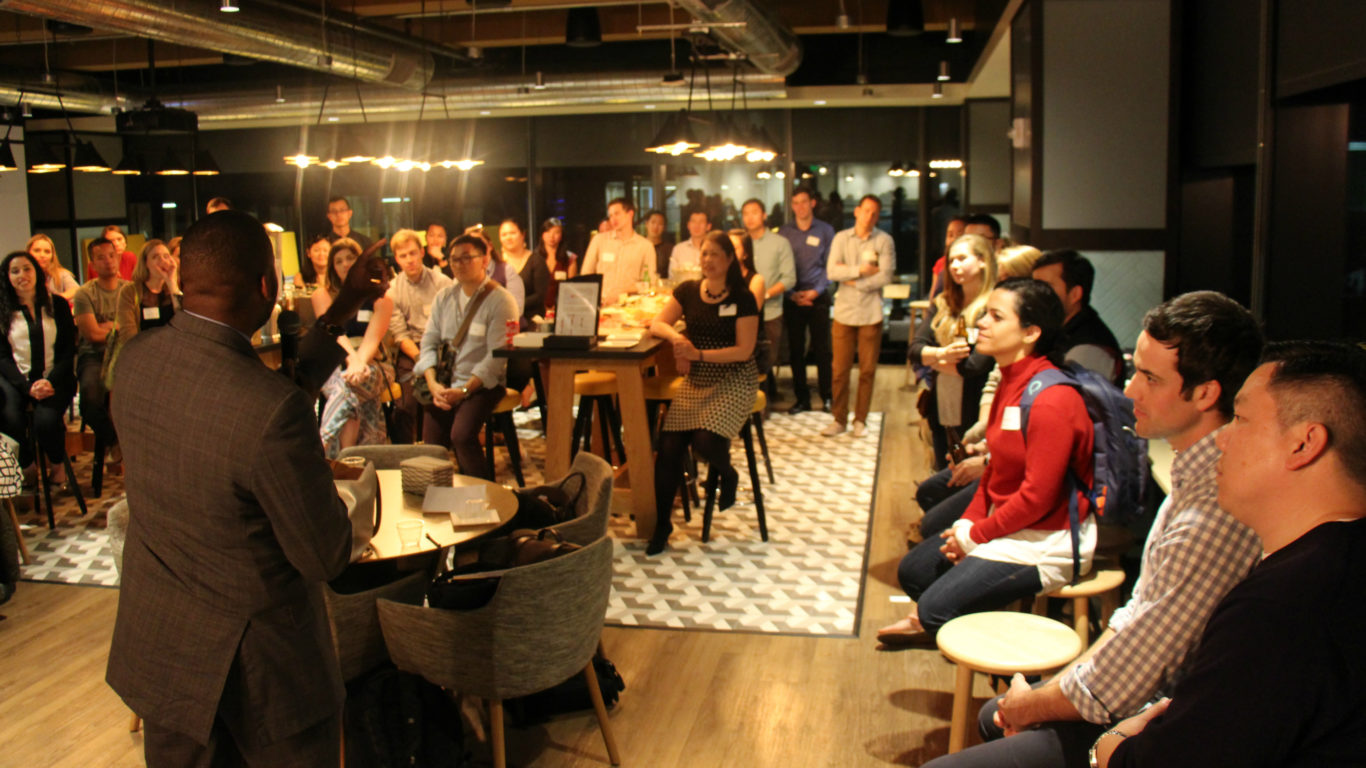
628	364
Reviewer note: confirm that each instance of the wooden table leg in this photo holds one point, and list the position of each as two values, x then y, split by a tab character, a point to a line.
635	428
560	418
962	698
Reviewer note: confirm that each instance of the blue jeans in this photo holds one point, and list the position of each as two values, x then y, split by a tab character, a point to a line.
941	502
1050	745
943	591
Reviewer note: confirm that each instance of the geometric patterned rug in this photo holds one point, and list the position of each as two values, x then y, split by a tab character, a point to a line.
807	579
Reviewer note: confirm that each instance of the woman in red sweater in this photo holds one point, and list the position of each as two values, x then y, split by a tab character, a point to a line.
1013	541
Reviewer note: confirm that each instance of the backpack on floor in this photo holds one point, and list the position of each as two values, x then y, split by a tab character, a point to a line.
1119	455
394	719
570	696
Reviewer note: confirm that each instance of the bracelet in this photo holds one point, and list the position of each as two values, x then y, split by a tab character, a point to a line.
701	355
1094	760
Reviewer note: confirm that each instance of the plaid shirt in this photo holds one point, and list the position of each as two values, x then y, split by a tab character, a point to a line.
1194	555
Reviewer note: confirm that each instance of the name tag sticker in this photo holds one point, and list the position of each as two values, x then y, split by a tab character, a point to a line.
479	329
972	335
726	310
560	274
1010	418
813	241
608	258
363	316
151	313
427	310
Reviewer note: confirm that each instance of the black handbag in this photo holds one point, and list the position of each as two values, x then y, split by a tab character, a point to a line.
456	590
546	505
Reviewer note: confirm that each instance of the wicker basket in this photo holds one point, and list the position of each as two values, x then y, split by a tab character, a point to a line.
421	472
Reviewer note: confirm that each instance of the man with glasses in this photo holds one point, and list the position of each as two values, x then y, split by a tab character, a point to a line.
339	214
462	403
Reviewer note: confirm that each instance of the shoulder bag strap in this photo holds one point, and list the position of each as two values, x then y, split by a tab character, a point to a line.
470	313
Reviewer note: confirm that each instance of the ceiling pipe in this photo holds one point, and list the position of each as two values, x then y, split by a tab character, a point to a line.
258	107
350	50
765	40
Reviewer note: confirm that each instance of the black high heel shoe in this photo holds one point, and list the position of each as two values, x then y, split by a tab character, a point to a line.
660	540
730	482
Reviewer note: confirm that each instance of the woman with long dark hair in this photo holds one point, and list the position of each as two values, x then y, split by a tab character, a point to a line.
37	361
560	262
716	357
1014	540
313	267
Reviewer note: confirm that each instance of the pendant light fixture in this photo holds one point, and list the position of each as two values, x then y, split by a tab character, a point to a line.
7	152
905	18
204	164
88	159
171	165
582	29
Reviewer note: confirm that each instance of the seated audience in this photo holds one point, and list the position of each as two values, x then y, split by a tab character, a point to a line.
37	354
943	342
715	354
461	405
527	265
434	254
1014	540
499	271
655	224
1088	339
126	259
1192	356
339	216
352	414
413	293
313	269
151	298
952	232
96	310
1276	677
560	262
60	281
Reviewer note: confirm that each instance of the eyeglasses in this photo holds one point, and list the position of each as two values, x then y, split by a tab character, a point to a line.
467	258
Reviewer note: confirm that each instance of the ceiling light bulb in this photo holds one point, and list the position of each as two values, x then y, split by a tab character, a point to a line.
385	162
279	95
229	6
943	71
955	32
938	91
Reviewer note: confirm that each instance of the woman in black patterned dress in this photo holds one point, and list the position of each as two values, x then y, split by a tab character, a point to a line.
716	355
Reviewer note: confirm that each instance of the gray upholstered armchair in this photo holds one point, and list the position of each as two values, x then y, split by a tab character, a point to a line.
540	628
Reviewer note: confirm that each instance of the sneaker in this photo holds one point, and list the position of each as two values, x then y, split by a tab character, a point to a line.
860	429
832	429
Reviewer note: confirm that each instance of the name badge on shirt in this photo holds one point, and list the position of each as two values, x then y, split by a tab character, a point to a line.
972	335
726	310
813	241
1010	418
151	313
608	258
363	316
560	274
427	310
480	329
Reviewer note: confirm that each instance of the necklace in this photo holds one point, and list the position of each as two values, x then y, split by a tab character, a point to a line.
714	296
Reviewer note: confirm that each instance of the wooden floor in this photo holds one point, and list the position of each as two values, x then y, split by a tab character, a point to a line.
692	698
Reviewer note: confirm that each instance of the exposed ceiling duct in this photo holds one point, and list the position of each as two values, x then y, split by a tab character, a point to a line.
765	40
346	51
240	108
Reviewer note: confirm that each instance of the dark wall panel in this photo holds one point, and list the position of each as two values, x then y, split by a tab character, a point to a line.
1219	89
1318	44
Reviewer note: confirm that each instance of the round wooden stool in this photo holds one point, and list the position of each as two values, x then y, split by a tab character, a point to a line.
1100	582
1000	643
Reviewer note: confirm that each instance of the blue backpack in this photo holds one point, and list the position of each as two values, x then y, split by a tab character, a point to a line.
1119	456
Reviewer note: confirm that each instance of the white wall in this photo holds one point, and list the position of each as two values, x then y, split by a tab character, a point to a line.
14	199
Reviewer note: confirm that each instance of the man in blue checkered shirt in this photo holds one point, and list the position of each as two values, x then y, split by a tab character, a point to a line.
1192	356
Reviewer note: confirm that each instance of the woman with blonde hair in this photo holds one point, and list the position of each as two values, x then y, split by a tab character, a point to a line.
60	281
945	342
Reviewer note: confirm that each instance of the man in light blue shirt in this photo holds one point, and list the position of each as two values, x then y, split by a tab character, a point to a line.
772	259
806	307
461	405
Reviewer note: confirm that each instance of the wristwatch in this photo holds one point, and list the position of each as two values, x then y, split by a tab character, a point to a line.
1093	761
329	328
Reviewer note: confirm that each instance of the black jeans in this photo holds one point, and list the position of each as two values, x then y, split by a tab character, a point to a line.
458	429
816	320
95	398
47	422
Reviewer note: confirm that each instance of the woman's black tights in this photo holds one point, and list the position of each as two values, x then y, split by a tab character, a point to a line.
709	446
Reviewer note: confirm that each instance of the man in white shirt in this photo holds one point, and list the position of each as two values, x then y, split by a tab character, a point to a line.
772	259
623	258
861	262
687	255
413	292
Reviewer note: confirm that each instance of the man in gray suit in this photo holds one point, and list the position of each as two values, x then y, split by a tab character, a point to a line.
222	644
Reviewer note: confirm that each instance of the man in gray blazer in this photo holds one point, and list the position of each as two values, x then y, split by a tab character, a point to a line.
222	644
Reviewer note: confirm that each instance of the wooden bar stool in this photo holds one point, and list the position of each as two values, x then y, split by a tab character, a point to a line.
1000	643
597	388
501	419
1100	582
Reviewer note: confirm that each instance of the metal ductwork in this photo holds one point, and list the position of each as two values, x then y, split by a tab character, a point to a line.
765	40
351	52
79	93
257	107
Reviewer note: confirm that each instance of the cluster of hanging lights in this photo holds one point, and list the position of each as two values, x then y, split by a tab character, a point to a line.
731	136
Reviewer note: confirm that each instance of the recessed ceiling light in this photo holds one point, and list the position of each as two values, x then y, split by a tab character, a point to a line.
649	106
819	102
333	119
485	112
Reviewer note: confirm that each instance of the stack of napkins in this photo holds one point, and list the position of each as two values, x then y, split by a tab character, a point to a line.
622	339
420	472
529	340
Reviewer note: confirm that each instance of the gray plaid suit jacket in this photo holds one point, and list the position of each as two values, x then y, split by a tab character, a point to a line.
234	524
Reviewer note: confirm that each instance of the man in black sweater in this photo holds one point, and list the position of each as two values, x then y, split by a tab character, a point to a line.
1085	336
1279	677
